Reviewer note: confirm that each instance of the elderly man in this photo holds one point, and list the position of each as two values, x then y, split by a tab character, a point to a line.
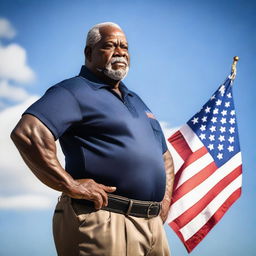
117	182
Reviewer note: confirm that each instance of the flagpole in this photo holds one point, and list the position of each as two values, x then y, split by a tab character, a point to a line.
233	67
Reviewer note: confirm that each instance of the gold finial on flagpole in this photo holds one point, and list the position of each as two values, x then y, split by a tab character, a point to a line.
233	68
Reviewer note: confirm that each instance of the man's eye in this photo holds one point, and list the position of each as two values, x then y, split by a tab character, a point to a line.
107	46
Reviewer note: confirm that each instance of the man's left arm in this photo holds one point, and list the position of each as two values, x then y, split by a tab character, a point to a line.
169	169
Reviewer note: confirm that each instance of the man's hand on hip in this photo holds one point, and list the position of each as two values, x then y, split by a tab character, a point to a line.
90	190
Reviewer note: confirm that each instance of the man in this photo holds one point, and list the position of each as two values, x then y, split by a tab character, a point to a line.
117	182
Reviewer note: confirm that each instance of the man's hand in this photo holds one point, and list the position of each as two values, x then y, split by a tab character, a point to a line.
165	209
90	190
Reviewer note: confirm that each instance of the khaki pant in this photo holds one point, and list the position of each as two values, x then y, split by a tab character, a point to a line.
80	230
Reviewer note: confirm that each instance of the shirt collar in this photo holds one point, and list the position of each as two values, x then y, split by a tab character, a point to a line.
98	84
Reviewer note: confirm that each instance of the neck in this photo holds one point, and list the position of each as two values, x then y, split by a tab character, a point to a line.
105	79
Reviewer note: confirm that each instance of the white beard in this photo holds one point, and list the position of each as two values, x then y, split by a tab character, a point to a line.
118	74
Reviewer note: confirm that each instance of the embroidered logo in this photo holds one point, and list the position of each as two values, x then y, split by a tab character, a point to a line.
150	114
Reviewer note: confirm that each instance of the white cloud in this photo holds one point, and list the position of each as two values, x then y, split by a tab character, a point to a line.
13	67
13	64
16	180
13	93
6	29
25	202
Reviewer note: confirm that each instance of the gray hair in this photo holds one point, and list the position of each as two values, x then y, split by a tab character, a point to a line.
94	35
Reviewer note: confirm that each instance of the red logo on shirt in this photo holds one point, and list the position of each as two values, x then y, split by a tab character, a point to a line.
150	114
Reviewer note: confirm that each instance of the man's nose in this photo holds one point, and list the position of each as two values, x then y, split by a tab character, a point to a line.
119	52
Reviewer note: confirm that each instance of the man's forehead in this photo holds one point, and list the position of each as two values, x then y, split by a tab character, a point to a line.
110	32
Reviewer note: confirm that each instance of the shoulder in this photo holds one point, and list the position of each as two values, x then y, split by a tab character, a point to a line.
74	85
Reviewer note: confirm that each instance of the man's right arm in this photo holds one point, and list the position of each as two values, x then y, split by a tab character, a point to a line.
37	147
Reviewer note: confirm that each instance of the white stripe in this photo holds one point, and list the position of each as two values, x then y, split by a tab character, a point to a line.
191	138
195	168
177	159
188	200
201	219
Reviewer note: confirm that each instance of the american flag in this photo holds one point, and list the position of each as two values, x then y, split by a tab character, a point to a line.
208	168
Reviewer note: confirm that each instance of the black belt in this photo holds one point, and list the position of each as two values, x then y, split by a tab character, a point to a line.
126	206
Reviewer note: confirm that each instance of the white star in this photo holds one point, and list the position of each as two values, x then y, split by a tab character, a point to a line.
195	120
212	137
232	112
231	139
210	146
224	112
229	95
207	109
223	120
202	136
204	119
215	111
222	90
232	130
231	148
220	147
213	97
213	128
222	129
221	138
227	104
232	120
202	128
218	102
214	119
220	156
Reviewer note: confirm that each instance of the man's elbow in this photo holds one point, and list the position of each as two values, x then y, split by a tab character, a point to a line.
19	138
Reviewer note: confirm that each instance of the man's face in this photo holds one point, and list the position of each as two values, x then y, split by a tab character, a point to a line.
110	54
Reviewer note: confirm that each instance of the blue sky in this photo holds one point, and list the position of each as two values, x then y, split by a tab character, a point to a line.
181	51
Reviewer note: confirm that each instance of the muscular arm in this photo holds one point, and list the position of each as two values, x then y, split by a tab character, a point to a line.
169	169
37	147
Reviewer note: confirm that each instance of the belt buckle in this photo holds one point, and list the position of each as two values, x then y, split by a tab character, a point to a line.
129	207
148	211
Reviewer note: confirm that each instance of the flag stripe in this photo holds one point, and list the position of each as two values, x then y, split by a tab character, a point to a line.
190	159
193	141
192	183
196	194
222	194
178	160
179	143
191	243
194	167
198	207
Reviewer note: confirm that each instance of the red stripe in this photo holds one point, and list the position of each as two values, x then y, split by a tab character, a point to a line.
200	235
181	146
190	159
194	181
194	210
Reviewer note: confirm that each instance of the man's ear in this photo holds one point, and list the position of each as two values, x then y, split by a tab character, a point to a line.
88	53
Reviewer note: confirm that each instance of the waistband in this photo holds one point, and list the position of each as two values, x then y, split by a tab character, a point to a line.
126	206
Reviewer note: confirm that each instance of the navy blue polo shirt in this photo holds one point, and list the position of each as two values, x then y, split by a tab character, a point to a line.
114	140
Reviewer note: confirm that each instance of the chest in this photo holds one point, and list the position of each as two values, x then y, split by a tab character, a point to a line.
106	112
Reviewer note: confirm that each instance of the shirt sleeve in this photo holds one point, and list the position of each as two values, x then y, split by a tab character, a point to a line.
159	134
57	109
163	141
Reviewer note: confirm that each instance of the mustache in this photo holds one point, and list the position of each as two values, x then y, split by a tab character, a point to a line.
119	59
